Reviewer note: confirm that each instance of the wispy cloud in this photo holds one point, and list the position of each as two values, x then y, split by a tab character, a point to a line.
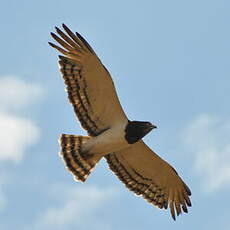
77	206
16	132
207	139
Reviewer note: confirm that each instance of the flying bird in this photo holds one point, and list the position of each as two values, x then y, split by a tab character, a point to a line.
111	134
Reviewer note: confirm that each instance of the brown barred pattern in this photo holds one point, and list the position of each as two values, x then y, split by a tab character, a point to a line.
155	190
77	94
136	183
71	153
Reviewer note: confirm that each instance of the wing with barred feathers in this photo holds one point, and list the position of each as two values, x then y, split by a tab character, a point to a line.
89	85
146	174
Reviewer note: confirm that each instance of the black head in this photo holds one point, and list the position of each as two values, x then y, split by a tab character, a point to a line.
136	130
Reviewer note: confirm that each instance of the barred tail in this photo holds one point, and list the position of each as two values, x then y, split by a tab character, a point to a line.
71	152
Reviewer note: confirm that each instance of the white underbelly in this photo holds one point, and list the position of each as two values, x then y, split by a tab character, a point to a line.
109	141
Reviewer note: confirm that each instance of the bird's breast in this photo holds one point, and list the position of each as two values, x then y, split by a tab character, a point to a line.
112	140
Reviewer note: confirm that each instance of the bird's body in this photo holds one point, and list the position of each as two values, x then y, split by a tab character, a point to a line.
110	133
111	140
117	137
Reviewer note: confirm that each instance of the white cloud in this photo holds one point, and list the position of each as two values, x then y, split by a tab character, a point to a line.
16	132
16	94
207	138
77	207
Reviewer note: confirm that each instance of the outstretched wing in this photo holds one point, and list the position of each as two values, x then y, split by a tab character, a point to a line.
146	174
89	85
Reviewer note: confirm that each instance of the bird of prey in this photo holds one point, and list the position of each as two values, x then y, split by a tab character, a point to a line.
111	134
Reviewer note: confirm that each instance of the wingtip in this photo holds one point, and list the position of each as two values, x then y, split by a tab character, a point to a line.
185	208
53	34
65	27
174	217
165	205
61	57
78	34
188	202
172	211
51	44
178	213
187	190
58	30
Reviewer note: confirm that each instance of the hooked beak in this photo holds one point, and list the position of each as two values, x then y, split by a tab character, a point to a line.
150	127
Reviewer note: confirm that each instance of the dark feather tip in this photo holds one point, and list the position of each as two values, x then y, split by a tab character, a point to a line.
62	57
79	35
56	28
178	213
188	190
53	35
184	208
165	204
66	28
51	44
188	202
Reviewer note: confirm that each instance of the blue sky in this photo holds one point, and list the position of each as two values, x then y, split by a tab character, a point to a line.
170	64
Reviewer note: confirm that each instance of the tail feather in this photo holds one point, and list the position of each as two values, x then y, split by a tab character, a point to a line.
71	151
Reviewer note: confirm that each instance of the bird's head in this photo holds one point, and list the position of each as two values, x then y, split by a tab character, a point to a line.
136	130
